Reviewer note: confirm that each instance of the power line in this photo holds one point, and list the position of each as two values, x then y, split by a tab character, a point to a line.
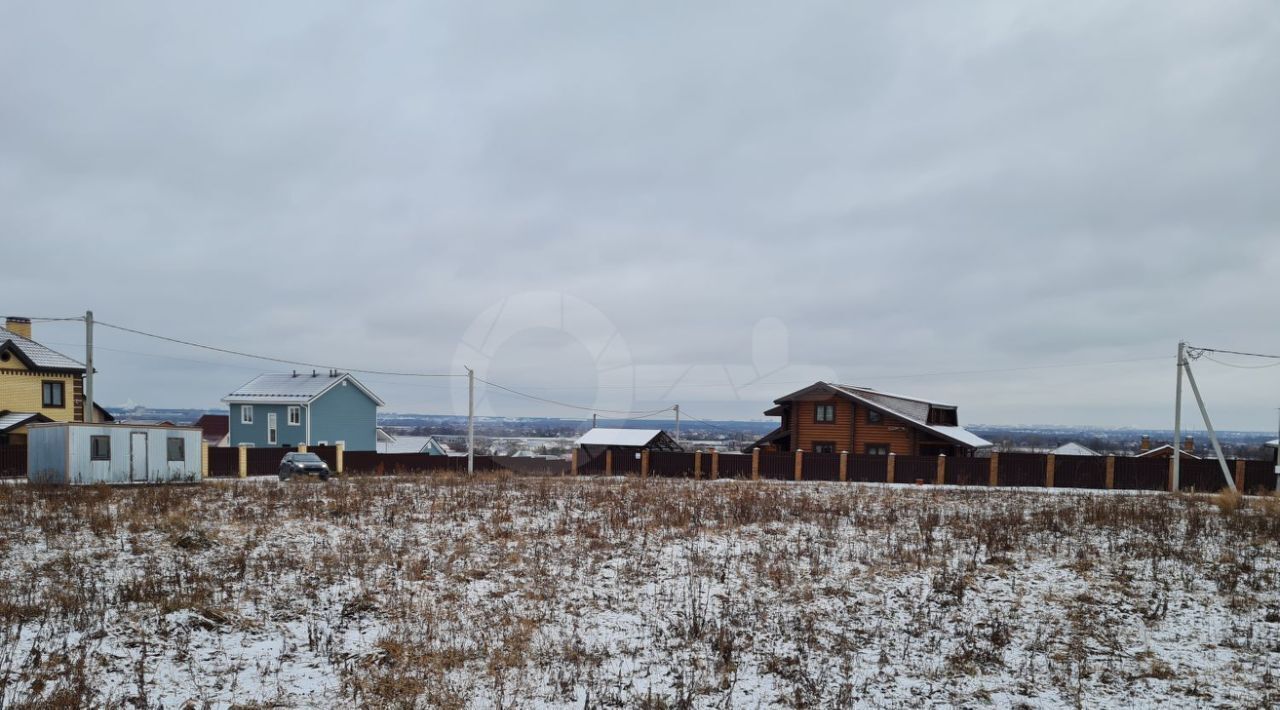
1195	352
1240	367
238	353
635	415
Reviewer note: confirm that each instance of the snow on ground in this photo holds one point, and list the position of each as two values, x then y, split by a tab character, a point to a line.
622	593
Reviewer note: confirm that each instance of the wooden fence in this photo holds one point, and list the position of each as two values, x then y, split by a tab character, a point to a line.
1001	470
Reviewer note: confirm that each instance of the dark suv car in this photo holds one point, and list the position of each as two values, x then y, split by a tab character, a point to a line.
303	464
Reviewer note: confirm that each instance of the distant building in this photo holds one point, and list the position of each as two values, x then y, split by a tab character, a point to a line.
37	384
1074	449
389	443
216	429
313	409
624	441
830	418
1165	451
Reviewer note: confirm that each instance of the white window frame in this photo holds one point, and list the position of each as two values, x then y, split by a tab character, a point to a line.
295	415
273	432
322	443
246	414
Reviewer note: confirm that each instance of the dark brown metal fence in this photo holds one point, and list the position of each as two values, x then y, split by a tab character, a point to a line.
820	467
672	464
1203	475
868	469
967	471
910	469
777	466
1021	470
224	461
13	461
735	466
1259	476
1079	471
1139	474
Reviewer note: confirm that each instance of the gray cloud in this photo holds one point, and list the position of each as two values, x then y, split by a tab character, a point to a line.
910	190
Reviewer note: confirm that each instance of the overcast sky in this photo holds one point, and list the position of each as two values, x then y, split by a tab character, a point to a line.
628	205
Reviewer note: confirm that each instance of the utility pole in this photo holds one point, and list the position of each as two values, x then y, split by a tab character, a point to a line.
1177	419
1213	436
677	408
471	421
88	367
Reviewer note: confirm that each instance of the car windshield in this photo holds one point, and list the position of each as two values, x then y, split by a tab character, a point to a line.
306	458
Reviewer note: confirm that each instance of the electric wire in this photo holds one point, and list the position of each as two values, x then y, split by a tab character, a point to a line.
285	361
536	398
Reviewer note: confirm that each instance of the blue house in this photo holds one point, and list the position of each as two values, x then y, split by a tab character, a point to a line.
313	409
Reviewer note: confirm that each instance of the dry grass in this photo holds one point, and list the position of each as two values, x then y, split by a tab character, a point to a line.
443	592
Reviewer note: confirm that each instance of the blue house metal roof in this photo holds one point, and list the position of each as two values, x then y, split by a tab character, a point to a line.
294	388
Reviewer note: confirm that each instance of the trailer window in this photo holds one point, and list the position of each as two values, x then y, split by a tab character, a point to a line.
177	449
99	448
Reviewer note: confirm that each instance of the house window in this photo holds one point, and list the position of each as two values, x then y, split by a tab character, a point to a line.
246	414
54	394
295	416
824	447
874	417
824	413
99	448
272	438
877	449
177	449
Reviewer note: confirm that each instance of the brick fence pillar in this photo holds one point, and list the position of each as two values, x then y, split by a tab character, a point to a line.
889	468
755	463
993	478
844	466
941	476
1240	475
644	463
715	464
339	454
1049	466
799	464
573	462
244	460
608	462
1111	472
697	464
1169	486
204	459
302	448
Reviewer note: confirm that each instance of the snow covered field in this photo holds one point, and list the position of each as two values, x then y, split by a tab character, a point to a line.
509	592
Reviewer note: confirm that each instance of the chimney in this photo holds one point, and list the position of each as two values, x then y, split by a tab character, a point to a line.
19	325
1189	444
1146	443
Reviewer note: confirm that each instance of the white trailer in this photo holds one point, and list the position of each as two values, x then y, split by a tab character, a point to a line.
80	453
